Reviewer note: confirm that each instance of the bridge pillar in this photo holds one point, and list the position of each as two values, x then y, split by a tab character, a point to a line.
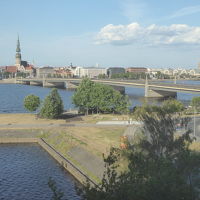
146	88
35	83
160	94
69	85
157	93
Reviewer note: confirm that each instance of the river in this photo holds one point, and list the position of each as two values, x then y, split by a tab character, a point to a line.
25	171
12	95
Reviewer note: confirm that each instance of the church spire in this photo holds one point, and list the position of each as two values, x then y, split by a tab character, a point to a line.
18	54
18	45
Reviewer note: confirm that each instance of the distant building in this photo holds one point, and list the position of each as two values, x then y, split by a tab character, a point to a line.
136	69
11	69
91	72
44	72
115	70
63	72
2	69
75	70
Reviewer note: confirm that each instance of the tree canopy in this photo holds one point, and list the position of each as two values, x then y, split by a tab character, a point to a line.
170	106
31	102
52	106
96	97
195	103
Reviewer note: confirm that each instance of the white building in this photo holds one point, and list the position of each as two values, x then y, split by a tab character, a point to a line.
90	72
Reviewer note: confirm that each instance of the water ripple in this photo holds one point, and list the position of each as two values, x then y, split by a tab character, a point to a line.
25	170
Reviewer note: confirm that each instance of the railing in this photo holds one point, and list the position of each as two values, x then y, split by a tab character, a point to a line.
69	162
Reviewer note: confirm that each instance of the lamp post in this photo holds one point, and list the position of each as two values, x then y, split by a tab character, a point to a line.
175	79
194	123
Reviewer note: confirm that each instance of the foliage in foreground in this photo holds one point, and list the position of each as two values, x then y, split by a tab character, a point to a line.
170	106
195	103
53	106
160	166
95	97
31	102
57	193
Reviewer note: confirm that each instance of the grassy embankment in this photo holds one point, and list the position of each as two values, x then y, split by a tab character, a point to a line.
93	139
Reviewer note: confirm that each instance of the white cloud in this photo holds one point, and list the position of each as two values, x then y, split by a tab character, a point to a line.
185	11
150	35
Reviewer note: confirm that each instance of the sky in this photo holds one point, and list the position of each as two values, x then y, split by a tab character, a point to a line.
105	33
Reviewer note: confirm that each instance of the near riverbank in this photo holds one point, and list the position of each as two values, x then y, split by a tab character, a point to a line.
77	138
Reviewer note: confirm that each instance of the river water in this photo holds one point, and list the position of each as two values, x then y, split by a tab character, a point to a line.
25	170
12	95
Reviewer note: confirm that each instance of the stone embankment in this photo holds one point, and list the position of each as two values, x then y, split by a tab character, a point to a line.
67	164
8	81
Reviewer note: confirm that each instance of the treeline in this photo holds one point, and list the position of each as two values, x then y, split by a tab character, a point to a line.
136	76
12	75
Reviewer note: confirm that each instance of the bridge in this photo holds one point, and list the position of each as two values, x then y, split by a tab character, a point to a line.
152	88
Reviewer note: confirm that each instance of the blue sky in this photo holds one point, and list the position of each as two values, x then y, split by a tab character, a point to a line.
138	33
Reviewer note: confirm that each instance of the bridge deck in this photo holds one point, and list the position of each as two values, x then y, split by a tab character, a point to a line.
154	85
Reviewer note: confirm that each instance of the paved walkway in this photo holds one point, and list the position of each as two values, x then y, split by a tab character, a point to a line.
51	125
89	161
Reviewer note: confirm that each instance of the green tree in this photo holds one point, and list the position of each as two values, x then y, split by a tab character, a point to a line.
160	166
146	109
82	97
172	106
53	106
31	102
195	103
95	97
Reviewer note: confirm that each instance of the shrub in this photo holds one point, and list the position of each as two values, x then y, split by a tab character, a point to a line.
31	102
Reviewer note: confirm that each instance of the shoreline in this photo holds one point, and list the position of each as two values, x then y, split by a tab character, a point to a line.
79	175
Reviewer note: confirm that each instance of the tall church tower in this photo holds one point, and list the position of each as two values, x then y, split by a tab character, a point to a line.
18	55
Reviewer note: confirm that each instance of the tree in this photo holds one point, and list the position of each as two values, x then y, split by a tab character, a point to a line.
31	102
195	103
53	106
95	97
172	106
160	166
82	97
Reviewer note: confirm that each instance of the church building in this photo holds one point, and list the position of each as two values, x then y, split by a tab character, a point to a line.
21	65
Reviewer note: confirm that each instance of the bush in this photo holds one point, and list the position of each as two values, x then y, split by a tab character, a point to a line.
53	106
31	102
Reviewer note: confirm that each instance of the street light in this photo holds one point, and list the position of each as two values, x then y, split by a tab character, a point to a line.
194	123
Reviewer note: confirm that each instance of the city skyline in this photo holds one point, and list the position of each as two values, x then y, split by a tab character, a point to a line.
111	33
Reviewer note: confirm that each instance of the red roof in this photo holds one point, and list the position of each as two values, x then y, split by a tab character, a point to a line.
29	67
11	69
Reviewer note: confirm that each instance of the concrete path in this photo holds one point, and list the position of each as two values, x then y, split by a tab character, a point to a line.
51	125
89	161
